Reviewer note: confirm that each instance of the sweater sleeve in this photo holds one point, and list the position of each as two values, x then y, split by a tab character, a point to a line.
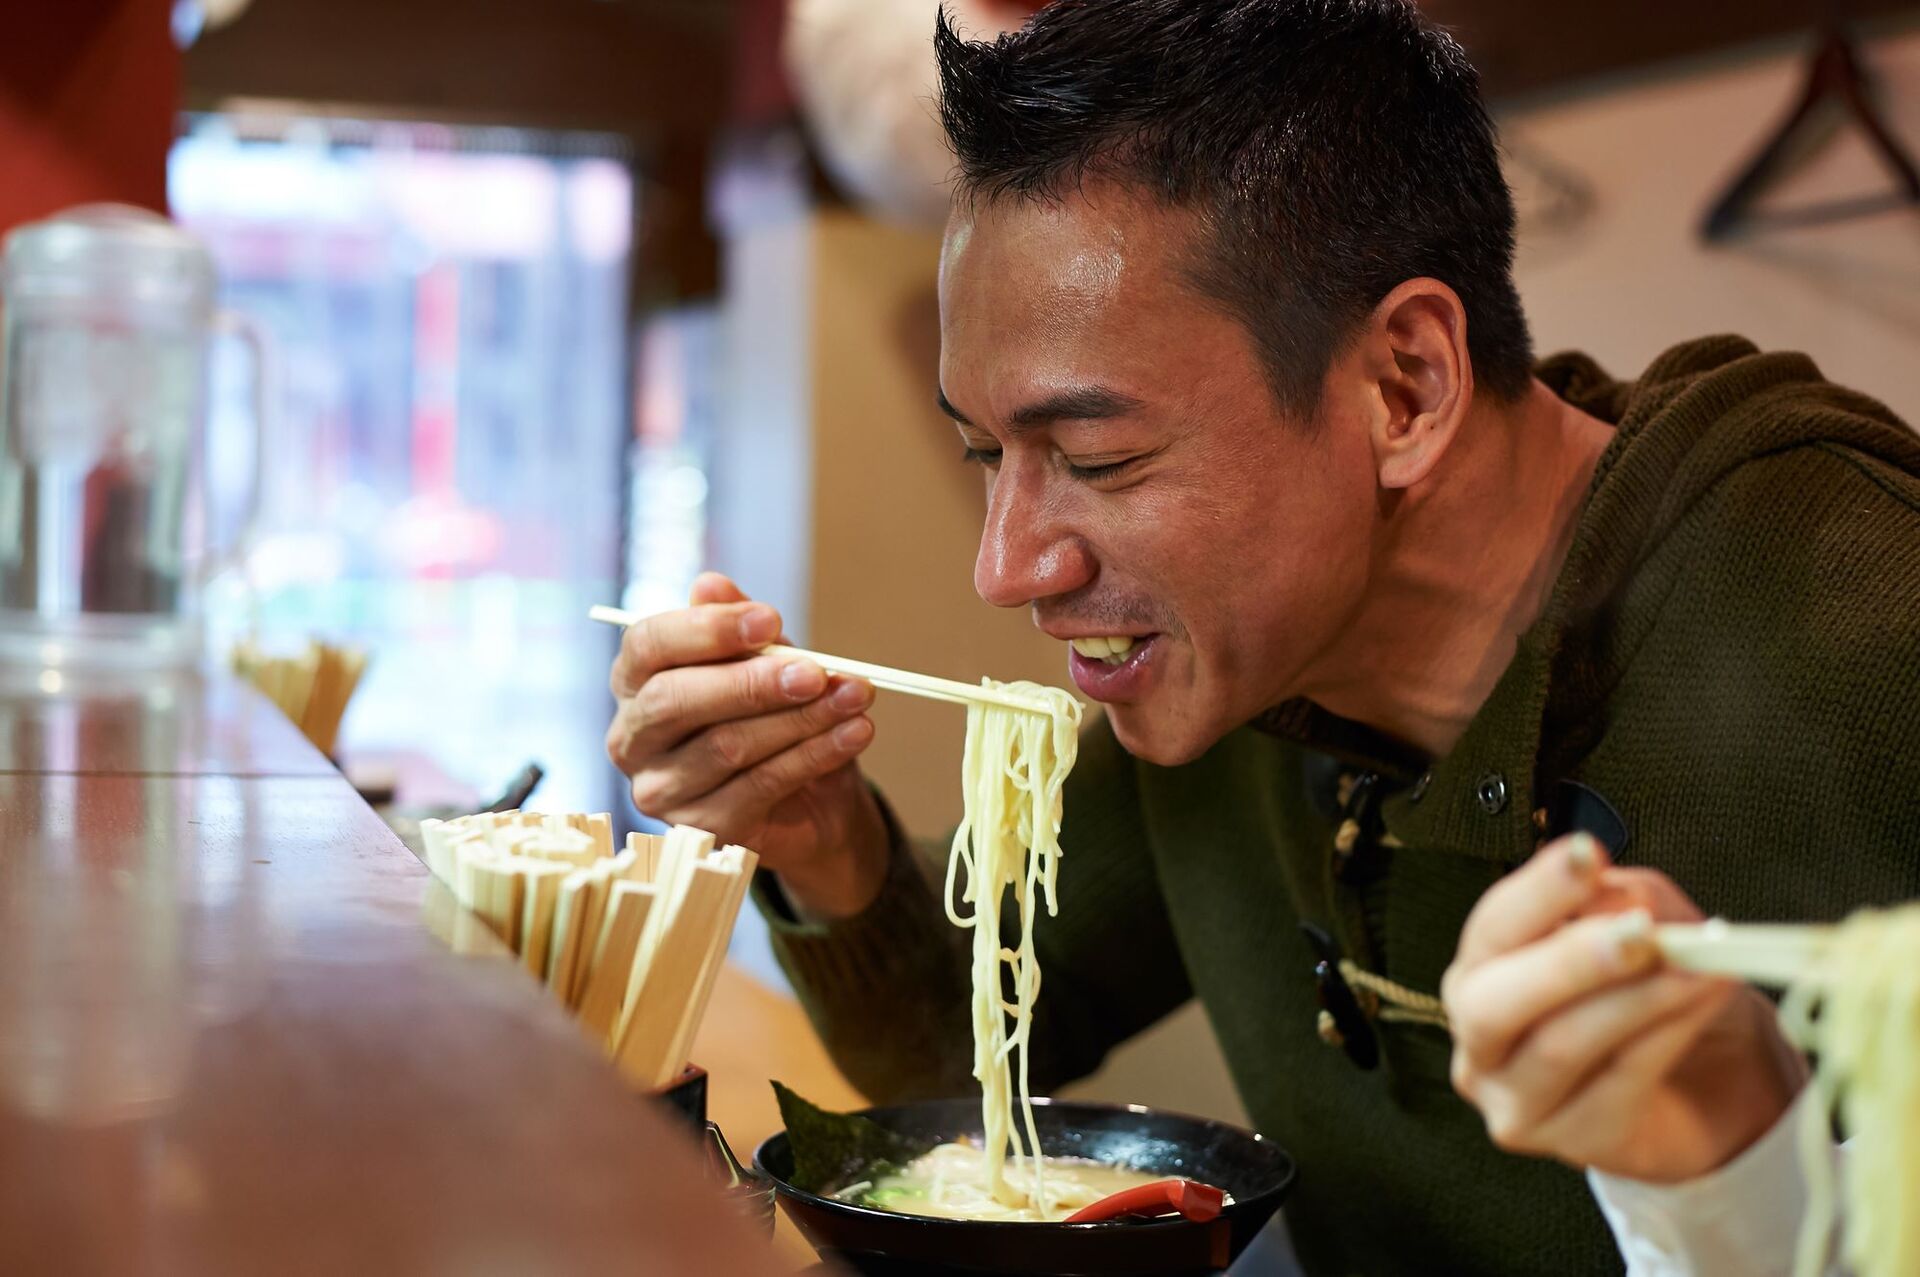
888	988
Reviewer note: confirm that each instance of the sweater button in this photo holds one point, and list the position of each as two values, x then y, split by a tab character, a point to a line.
1492	793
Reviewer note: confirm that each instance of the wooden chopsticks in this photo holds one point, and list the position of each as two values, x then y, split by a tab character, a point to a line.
630	943
1771	954
893	680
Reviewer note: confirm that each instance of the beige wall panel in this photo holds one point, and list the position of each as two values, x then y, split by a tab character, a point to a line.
896	516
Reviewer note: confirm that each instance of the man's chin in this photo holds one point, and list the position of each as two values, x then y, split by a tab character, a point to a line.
1144	735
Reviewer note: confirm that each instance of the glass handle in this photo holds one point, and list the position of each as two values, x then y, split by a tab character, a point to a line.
265	398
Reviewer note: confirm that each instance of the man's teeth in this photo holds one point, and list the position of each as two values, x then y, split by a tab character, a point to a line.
1111	649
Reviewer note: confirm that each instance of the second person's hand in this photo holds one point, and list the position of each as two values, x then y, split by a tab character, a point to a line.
1574	1041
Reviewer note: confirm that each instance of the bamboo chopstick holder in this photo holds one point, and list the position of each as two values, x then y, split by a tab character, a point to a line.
631	942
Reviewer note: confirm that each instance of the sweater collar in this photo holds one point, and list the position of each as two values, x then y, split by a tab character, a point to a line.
1676	432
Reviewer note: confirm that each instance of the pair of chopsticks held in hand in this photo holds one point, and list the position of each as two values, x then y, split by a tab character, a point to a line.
893	680
1775	955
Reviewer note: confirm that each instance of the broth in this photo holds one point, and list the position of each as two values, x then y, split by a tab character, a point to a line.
951	1182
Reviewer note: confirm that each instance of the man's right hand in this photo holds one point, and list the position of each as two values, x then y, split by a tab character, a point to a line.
760	751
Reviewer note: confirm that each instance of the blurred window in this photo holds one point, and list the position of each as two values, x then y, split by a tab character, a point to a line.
445	483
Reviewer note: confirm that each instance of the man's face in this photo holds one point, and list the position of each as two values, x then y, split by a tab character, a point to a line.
1142	483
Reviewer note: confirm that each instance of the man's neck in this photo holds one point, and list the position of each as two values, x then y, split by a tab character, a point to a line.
1465	564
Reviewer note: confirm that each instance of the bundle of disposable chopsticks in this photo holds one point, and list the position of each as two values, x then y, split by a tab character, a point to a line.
312	688
629	942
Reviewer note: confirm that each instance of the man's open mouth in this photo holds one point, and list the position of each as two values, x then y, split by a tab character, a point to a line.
1111	649
1113	668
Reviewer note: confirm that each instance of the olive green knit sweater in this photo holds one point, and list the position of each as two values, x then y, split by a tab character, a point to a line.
1727	662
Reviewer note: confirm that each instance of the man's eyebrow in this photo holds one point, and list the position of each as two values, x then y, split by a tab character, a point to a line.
946	406
1083	403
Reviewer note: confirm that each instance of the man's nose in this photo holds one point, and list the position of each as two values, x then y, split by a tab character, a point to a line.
1026	551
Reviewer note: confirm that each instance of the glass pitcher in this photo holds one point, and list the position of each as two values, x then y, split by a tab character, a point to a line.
107	318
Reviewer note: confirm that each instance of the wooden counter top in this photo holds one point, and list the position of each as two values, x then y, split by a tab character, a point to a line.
229	1044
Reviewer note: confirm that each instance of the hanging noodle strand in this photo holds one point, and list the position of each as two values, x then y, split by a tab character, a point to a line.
1012	774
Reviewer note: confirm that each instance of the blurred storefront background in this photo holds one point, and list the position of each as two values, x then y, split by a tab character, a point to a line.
459	466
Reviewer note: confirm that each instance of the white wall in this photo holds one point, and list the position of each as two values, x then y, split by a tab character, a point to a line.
1634	277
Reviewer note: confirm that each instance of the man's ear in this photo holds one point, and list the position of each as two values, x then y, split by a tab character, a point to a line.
1417	340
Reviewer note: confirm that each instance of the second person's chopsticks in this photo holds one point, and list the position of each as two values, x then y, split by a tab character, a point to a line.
927	685
1778	954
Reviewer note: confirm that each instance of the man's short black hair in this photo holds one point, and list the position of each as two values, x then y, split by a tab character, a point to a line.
1333	149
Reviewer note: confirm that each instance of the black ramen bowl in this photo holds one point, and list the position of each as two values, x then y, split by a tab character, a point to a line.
879	1243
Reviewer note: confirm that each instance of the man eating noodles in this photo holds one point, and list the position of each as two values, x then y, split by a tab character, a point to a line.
1420	661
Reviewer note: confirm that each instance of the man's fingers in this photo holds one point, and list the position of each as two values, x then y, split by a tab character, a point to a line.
797	766
673	705
1541	894
711	758
713	587
1560	1055
748	799
1493	1005
692	636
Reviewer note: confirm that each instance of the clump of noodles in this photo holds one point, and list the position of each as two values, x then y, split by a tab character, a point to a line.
1012	774
1857	1012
